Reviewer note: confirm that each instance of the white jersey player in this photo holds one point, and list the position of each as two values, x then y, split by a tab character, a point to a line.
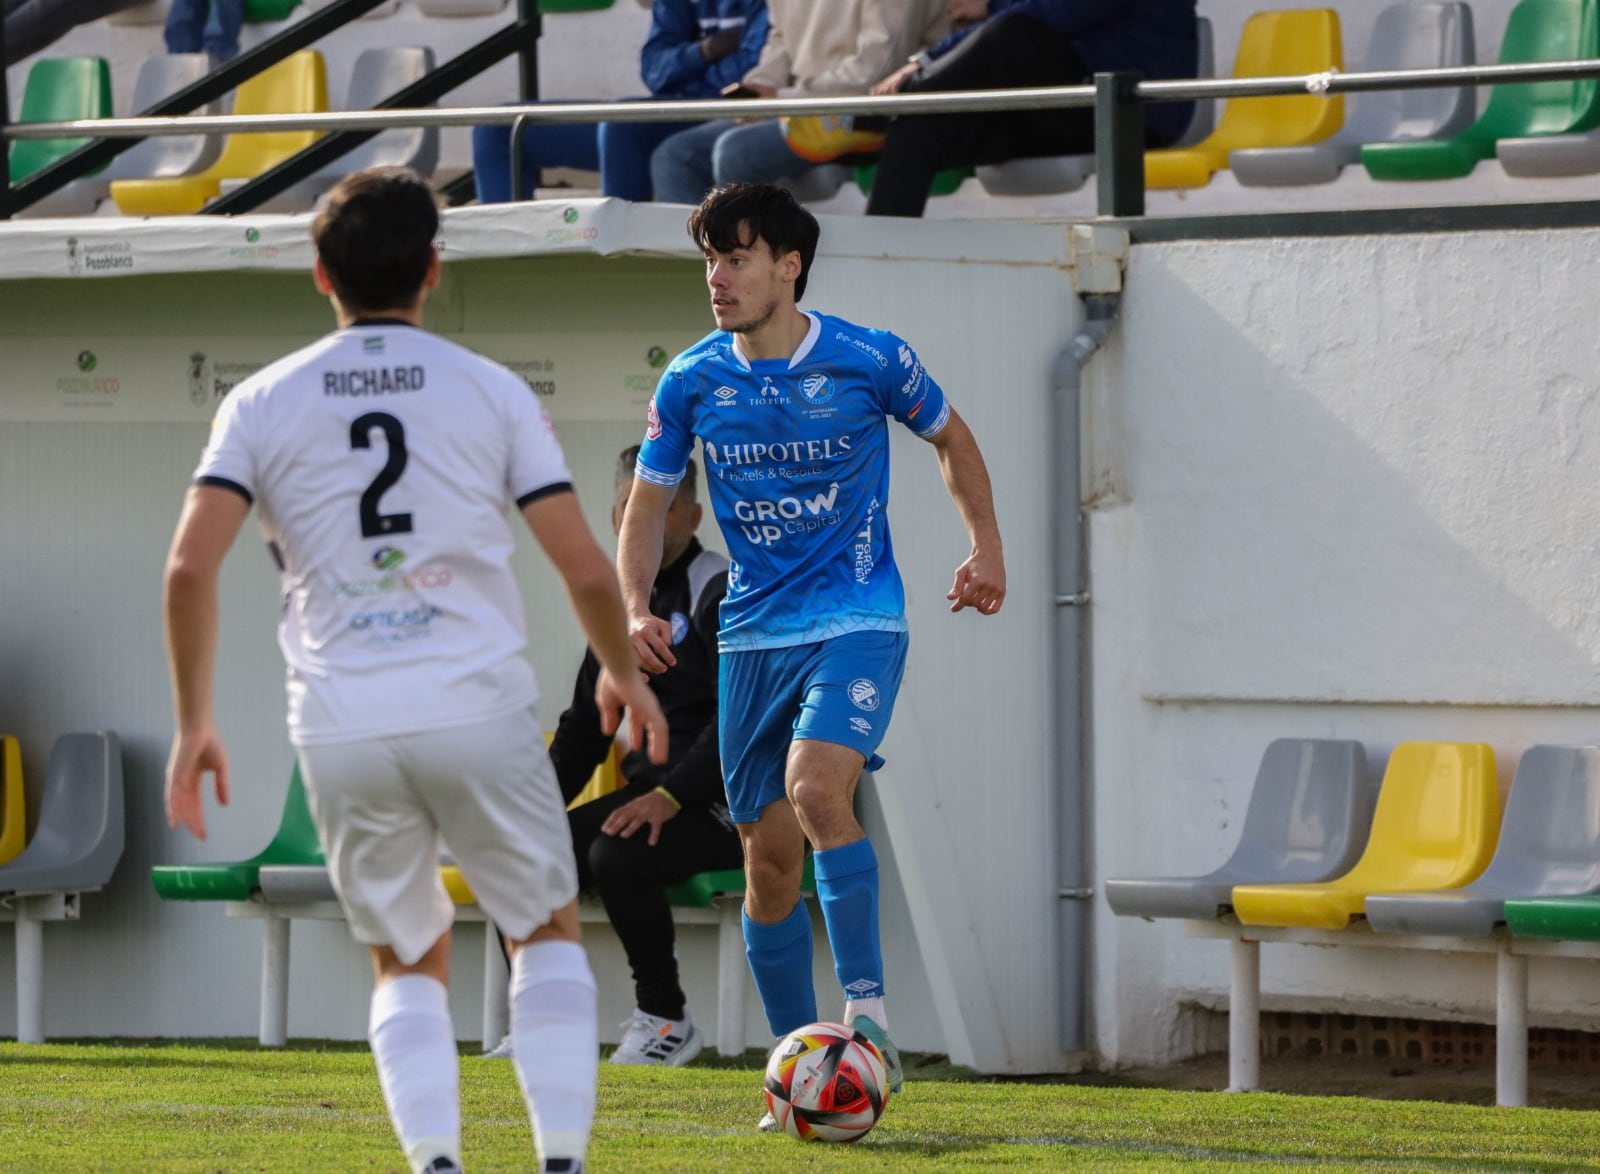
383	462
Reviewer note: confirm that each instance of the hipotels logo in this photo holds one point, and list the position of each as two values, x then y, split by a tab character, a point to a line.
764	522
863	346
782	452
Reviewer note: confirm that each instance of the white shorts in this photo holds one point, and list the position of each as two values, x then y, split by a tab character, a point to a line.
486	793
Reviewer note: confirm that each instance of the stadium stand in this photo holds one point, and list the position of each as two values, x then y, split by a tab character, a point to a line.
1538	30
1434	827
296	85
1307	820
1405	36
1272	44
74	849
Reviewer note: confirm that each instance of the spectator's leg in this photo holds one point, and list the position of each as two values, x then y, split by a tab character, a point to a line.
631	877
222	30
545	144
186	26
1009	51
680	168
625	150
756	153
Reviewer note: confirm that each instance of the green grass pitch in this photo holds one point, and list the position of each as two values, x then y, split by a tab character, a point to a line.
234	1107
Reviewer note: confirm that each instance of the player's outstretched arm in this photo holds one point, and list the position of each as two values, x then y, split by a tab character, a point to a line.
981	580
206	529
639	543
558	524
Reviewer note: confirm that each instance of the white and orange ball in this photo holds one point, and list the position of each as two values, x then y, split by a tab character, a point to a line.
826	1082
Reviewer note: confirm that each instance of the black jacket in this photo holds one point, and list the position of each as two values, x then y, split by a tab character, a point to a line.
687	595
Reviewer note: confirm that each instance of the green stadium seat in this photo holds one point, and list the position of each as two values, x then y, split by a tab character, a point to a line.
702	890
295	843
1565	919
944	182
59	89
268	11
1538	30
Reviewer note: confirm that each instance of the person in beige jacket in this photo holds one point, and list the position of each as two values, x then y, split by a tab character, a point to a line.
814	48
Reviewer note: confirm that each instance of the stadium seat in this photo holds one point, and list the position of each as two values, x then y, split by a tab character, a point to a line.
944	182
1303	41
81	829
13	800
1566	919
59	89
268	11
1405	36
1307	820
1538	30
1549	846
294	843
1434	827
1048	174
820	183
704	889
296	85
376	74
465	7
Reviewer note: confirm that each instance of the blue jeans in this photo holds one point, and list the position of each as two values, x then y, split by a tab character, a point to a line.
619	151
208	25
692	162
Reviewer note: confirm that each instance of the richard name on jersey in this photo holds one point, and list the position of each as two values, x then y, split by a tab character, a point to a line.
797	467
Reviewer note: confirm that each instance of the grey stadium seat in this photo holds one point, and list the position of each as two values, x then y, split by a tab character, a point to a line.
1405	36
292	883
1307	820
1549	847
79	837
1047	175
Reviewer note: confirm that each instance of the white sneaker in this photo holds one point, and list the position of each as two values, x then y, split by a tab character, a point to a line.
501	1051
768	1123
651	1040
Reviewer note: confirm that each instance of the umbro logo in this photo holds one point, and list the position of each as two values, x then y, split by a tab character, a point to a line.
862	986
725	393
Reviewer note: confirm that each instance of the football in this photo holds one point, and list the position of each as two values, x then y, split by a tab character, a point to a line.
826	1082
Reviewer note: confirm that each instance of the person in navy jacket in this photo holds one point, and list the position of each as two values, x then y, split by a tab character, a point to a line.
1010	44
694	49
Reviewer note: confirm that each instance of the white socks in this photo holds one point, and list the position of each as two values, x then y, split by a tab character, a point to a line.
871	1008
557	1044
414	1045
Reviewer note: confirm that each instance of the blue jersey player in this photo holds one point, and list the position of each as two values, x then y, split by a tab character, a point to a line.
793	411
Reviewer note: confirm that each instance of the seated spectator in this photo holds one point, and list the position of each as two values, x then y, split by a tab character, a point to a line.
211	26
695	48
32	25
814	48
1005	44
669	822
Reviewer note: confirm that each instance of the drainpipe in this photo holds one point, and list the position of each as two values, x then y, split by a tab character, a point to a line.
1098	255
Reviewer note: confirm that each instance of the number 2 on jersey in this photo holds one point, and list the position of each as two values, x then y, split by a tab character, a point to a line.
373	523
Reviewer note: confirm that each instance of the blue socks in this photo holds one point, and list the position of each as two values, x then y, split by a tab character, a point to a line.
847	885
780	962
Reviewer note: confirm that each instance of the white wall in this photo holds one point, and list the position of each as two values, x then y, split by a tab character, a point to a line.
963	815
1342	488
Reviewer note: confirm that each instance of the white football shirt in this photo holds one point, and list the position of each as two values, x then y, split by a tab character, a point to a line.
384	461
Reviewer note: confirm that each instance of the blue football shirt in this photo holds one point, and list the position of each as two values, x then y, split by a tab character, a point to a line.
797	468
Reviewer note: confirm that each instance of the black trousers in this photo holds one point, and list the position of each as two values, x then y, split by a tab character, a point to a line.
1009	51
630	877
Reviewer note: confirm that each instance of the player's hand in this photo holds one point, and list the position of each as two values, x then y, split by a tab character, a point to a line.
896	80
195	754
651	811
980	583
647	726
965	12
652	642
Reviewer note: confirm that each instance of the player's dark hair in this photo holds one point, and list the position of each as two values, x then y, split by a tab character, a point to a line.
375	238
737	215
629	460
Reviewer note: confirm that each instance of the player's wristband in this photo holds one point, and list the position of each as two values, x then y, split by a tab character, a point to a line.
670	797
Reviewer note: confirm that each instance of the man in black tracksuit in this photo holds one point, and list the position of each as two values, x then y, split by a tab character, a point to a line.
670	821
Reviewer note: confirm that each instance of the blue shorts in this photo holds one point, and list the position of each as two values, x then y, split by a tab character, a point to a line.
838	690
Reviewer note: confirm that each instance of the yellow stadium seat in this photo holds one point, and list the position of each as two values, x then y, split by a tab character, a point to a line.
296	85
1435	827
1273	44
13	807
606	778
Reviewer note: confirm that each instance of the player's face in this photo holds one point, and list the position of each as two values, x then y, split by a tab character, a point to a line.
747	286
